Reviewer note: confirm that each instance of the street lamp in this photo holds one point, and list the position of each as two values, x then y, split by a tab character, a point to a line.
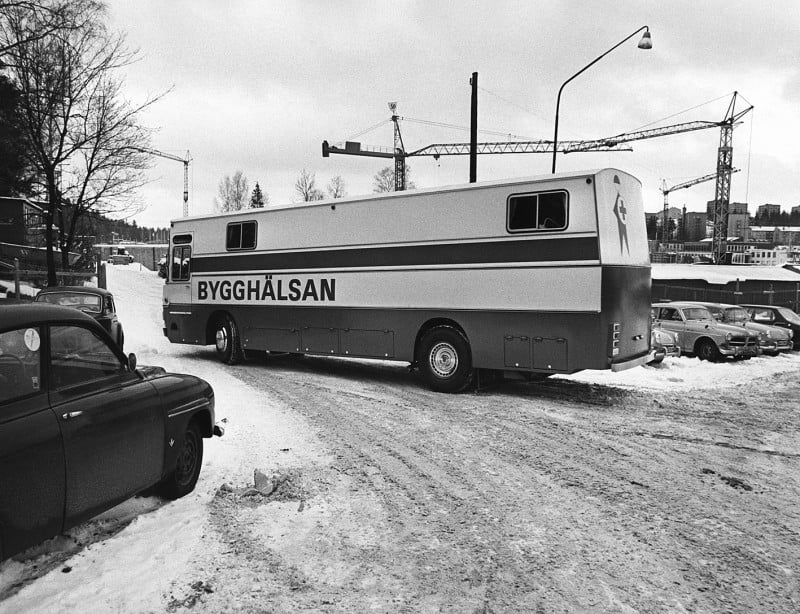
645	43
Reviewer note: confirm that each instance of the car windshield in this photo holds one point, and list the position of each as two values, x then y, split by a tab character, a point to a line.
790	315
697	313
79	300
736	314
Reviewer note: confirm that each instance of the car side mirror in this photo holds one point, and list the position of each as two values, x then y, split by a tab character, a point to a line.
132	362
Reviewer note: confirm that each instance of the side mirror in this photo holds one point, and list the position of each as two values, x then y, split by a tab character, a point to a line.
132	362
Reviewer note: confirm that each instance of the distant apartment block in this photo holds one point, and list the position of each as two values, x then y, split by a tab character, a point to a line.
768	210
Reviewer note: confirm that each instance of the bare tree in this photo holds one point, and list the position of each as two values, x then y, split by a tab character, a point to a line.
336	187
306	187
85	137
233	193
41	18
383	181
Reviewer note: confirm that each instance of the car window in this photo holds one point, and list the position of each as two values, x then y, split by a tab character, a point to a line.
761	315
79	356
20	363
736	314
670	313
697	313
80	300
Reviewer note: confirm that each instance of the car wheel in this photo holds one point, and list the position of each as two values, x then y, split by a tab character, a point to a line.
445	360
227	341
707	350
183	478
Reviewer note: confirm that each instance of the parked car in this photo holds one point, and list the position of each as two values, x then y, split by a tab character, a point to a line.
663	343
771	340
777	316
699	334
97	302
83	429
120	256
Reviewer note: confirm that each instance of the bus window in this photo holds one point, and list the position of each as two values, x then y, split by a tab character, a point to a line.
240	235
544	211
181	257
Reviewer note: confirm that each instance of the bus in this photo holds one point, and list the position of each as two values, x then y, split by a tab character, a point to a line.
532	276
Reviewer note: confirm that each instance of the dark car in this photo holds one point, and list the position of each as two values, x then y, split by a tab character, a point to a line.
777	316
82	429
97	302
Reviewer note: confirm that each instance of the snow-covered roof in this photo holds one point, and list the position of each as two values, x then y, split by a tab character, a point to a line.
723	274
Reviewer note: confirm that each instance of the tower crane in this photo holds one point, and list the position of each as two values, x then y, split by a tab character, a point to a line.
185	162
612	143
686	184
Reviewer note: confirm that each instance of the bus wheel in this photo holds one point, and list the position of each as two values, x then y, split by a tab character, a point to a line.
445	360
227	341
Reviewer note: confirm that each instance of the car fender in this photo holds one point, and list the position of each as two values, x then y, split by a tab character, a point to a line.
184	398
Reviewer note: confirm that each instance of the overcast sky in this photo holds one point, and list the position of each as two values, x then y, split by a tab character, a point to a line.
257	86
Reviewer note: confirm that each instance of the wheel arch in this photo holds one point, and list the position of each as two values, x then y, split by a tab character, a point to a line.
703	339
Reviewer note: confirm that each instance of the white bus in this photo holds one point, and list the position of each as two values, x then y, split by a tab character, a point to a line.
536	276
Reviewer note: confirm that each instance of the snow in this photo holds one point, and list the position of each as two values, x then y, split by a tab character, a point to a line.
723	274
136	569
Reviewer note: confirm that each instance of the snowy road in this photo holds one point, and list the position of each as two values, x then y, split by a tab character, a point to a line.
656	489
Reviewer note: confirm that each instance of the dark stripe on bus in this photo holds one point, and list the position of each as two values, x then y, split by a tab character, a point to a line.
537	250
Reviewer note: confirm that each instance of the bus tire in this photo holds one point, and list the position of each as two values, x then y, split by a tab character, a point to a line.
227	340
445	360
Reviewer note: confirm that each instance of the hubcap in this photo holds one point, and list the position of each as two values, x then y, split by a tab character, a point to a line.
222	339
443	359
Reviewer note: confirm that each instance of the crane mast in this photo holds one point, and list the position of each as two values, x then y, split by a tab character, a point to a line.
722	193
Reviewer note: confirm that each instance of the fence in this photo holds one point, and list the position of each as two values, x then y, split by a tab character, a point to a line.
782	296
24	284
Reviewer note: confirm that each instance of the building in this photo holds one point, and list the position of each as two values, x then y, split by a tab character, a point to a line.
695	226
767	257
738	218
767	211
21	222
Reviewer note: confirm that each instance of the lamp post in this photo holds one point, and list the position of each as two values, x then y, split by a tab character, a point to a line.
644	43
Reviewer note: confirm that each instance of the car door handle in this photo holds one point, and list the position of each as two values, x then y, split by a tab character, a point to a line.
71	414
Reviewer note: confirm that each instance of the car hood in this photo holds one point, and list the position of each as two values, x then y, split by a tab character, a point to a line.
721	328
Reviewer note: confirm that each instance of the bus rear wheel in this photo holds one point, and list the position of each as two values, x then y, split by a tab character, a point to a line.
445	360
227	340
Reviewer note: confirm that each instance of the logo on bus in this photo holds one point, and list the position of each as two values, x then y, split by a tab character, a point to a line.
267	289
620	212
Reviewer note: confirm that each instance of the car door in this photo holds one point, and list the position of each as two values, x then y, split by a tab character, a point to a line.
111	420
671	320
31	453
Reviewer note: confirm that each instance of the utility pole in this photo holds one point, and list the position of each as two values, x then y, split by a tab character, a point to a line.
473	131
